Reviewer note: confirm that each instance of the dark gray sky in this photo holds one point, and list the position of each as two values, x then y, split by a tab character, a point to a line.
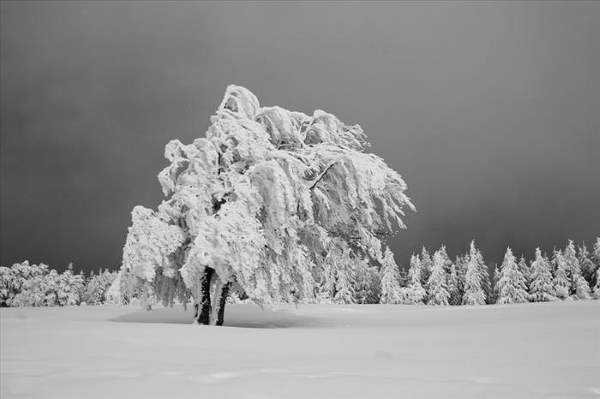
491	111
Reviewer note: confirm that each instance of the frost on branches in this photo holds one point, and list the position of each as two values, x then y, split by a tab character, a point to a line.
267	201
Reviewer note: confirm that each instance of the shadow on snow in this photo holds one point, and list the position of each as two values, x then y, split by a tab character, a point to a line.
241	316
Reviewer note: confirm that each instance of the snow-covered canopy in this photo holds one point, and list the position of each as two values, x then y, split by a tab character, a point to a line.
263	198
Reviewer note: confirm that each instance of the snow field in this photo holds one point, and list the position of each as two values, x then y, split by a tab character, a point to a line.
537	350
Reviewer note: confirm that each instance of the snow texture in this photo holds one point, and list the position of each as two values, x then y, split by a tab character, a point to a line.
311	351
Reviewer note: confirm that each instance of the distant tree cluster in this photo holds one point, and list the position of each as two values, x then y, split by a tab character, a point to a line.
26	284
572	273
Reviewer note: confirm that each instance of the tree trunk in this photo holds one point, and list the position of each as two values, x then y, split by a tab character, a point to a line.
222	300
202	308
217	311
207	311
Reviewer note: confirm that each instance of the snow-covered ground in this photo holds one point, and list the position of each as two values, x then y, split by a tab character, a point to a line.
542	350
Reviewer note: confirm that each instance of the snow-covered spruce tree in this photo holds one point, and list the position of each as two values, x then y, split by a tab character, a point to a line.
414	293
403	276
511	286
337	276
474	293
496	274
390	285
426	265
261	201
344	292
541	287
461	270
588	268
525	271
476	272
454	286
486	282
437	288
579	288
561	280
366	281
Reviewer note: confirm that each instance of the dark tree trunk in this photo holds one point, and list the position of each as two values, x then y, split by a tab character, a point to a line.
203	308
222	302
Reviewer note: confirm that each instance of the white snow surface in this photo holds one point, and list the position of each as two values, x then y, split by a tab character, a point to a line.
539	350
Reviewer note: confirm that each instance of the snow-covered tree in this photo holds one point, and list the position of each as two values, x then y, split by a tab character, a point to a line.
561	281
366	282
596	253
70	286
437	288
414	292
344	292
524	268
260	201
27	285
6	286
454	286
511	286
476	272
579	287
485	279
461	270
495	278
541	287
403	277
426	264
588	268
390	286
123	288
97	287
596	292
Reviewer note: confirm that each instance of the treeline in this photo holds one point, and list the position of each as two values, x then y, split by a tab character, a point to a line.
572	273
26	284
431	279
